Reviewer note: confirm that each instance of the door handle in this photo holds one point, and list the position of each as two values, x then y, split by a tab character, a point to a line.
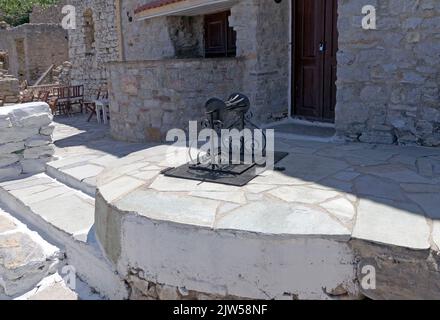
322	47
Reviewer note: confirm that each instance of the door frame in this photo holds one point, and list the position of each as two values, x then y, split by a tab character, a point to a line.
292	69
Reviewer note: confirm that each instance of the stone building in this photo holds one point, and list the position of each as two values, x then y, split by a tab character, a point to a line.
163	59
33	48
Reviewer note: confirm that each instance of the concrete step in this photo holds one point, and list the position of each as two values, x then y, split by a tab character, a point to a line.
25	257
65	217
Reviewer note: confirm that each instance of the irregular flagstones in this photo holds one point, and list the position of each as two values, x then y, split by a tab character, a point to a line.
303	194
395	172
341	192
341	208
329	196
429	202
281	218
372	186
395	223
180	209
59	205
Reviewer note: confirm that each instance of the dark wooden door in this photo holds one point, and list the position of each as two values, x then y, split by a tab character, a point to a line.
314	63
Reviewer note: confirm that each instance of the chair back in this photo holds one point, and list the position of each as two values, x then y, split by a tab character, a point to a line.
62	92
102	94
77	91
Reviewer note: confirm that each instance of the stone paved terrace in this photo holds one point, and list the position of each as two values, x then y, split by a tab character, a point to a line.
382	200
301	233
380	193
361	202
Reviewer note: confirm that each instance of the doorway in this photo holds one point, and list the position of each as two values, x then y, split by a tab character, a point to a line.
315	40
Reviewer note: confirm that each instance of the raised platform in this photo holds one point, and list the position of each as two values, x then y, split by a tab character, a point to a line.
301	233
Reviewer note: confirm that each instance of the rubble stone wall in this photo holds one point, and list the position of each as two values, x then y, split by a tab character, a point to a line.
25	139
161	37
88	68
262	49
389	78
148	98
48	14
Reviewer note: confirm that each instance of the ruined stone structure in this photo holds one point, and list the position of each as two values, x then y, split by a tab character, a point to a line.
93	43
33	48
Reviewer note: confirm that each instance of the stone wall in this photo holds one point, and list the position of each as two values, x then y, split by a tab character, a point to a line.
149	98
25	139
262	44
9	88
48	14
389	78
88	68
33	48
159	38
263	29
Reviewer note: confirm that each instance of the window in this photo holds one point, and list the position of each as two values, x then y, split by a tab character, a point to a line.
220	38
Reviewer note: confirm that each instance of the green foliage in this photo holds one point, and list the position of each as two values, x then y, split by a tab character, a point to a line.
16	12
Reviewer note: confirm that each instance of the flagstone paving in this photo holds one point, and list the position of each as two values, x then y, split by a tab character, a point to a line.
83	150
340	191
363	191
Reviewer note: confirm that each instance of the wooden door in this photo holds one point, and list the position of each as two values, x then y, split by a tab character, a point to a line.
219	37
314	58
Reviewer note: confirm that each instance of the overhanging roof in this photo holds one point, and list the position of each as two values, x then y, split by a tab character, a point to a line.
160	8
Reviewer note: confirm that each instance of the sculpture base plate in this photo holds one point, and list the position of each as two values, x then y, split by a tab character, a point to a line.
235	175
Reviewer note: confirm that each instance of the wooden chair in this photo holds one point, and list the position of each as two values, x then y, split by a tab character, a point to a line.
68	97
63	99
77	97
53	105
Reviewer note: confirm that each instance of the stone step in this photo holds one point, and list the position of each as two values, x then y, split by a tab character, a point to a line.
25	257
82	178
60	286
51	288
64	216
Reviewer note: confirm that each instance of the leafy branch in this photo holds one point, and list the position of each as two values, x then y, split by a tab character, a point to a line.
16	12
